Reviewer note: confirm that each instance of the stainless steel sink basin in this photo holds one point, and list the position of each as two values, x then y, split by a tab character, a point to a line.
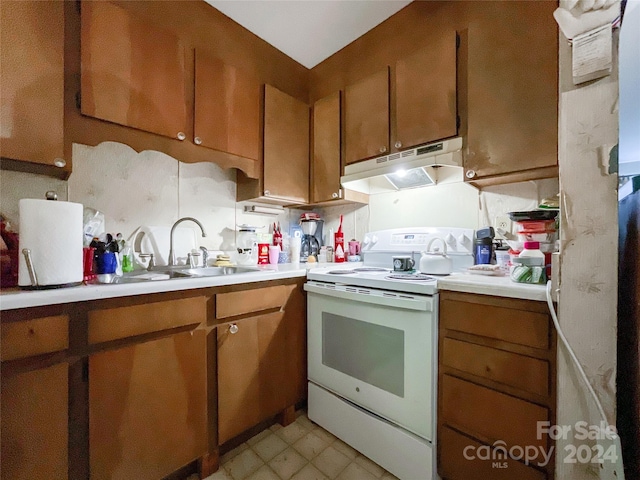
160	273
217	271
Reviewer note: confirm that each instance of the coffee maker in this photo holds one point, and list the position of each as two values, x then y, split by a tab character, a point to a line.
310	244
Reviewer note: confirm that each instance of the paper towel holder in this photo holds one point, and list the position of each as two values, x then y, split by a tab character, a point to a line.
32	272
51	195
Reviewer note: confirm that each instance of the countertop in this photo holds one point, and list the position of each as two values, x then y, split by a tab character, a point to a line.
15	298
492	285
457	282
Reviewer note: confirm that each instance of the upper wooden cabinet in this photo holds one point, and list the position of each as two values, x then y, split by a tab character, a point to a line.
425	94
417	106
227	108
512	95
32	84
132	73
325	166
367	117
285	166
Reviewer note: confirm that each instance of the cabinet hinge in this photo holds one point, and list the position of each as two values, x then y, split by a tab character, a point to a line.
78	100
85	370
457	40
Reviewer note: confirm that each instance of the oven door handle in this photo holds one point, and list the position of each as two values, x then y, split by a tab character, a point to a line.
377	297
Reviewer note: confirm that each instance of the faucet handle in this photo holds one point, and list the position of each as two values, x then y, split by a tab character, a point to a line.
192	259
205	256
151	261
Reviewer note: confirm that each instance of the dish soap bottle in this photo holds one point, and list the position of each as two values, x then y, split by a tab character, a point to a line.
339	244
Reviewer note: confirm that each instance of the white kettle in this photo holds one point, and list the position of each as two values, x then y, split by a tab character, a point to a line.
435	262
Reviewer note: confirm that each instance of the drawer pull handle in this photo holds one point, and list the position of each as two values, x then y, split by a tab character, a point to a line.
233	328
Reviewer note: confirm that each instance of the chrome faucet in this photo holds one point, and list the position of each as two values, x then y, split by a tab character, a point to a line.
172	255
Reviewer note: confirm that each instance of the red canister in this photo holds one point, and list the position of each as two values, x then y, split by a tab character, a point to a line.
263	254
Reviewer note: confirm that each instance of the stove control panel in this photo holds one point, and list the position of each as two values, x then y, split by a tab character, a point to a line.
416	239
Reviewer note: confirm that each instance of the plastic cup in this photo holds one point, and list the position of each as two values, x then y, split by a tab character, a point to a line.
274	253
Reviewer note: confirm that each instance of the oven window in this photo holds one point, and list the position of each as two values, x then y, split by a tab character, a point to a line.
371	353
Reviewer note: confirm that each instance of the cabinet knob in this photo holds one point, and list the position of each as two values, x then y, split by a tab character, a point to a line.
181	136
59	162
398	145
383	149
267	193
197	141
334	195
233	328
470	173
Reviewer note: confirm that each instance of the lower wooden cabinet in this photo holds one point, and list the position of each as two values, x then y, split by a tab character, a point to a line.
147	407
34	424
496	381
261	360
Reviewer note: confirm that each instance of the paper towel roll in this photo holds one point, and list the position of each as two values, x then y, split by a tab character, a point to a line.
52	230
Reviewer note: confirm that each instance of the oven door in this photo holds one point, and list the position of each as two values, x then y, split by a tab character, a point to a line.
376	349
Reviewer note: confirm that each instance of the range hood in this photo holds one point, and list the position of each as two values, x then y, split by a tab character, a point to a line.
421	166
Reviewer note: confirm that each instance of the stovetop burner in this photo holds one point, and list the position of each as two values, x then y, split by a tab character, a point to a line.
341	272
370	269
415	277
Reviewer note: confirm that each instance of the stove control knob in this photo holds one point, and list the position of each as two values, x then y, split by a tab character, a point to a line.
464	241
451	240
366	241
374	240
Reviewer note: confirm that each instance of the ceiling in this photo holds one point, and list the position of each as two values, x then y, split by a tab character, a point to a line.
309	31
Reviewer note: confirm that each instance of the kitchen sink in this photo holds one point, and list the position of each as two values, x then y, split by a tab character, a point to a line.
161	273
217	271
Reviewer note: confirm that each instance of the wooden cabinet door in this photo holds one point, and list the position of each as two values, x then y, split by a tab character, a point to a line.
35	424
425	86
512	92
366	106
227	108
147	407
238	378
286	147
326	167
132	73
32	80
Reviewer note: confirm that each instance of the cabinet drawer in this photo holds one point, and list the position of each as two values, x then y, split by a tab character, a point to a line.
501	323
122	322
458	460
249	301
490	414
34	337
526	373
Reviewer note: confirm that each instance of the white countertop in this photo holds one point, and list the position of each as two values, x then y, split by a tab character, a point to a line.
492	285
457	282
16	298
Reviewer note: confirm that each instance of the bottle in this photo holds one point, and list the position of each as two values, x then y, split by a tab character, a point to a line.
277	235
339	244
532	250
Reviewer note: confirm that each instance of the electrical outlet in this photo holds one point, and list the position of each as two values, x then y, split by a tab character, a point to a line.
502	222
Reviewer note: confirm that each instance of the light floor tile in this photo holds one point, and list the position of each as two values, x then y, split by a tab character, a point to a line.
370	465
291	433
243	465
345	449
331	462
310	445
269	446
264	473
355	472
232	453
256	438
304	422
287	463
324	435
309	472
219	475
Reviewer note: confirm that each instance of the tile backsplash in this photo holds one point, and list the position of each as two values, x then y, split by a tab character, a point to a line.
150	188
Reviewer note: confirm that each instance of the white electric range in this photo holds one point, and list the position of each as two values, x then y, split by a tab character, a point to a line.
372	349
